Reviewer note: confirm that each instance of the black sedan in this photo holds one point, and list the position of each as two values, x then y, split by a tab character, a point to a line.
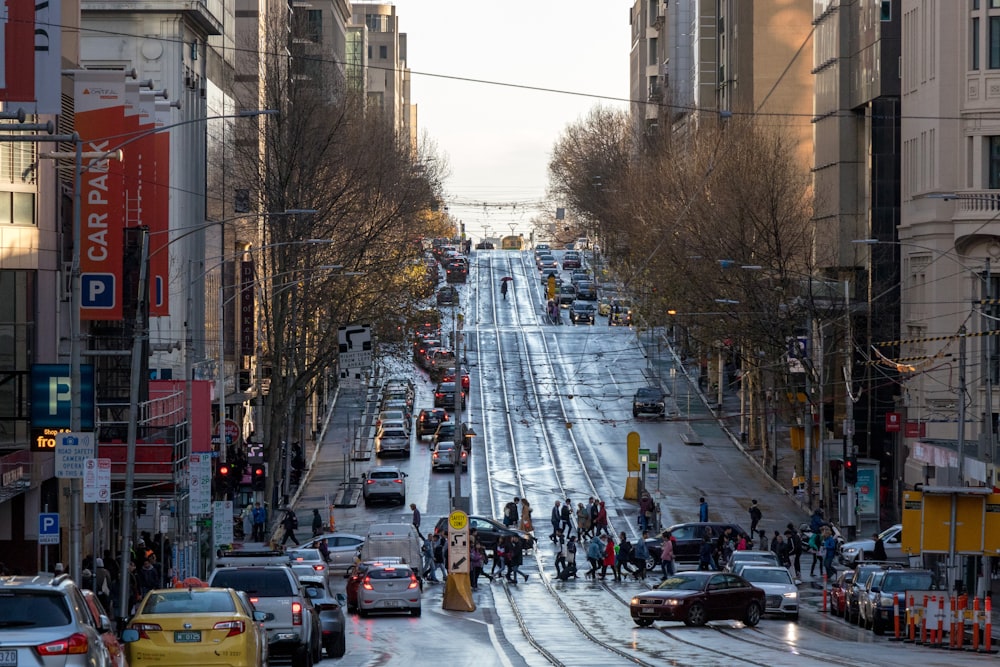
429	419
698	597
489	531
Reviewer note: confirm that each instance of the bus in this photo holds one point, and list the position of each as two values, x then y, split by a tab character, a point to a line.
512	243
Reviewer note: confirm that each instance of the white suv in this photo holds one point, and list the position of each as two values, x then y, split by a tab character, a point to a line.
384	483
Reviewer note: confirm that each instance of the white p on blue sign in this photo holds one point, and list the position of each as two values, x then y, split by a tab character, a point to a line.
48	528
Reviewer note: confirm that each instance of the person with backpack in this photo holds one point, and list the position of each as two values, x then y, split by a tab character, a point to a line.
427	559
510	512
289	522
624	557
570	568
755	515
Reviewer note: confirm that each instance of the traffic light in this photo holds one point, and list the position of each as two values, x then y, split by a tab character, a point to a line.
850	470
259	474
140	508
223	478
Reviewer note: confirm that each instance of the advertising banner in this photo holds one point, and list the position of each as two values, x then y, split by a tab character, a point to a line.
99	97
867	488
32	56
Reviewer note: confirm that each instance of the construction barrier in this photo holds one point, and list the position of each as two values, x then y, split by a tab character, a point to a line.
939	633
975	625
988	635
952	624
824	593
923	622
911	621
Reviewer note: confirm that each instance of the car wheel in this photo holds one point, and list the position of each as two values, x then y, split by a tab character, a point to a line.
415	612
696	615
643	622
318	652
338	647
753	614
363	613
794	618
303	656
635	413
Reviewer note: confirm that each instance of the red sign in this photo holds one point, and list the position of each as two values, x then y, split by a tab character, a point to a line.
892	422
99	101
31	56
915	429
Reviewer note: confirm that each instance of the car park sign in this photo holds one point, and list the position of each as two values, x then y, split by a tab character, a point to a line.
48	528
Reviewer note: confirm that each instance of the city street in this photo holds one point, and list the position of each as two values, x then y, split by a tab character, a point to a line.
551	409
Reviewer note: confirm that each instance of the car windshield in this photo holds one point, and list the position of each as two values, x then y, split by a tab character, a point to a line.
682	583
907	581
446	444
758	575
383	474
304	555
648	392
394	434
890	532
189	602
446	428
44	609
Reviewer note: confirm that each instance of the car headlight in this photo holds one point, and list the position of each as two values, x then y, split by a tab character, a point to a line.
850	551
672	602
791	595
634	601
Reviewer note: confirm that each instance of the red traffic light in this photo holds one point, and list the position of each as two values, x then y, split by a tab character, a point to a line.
223	470
258	472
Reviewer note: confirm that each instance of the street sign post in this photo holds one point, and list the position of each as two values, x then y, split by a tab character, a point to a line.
72	451
200	484
48	528
97	481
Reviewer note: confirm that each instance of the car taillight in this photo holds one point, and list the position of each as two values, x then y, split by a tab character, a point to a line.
74	644
296	613
143	628
434	455
366	584
234	627
319	568
369	481
413	581
254	600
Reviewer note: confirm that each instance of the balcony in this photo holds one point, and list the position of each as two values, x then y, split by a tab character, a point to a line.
661	15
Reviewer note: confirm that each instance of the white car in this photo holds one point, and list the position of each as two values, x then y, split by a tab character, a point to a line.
307	563
398	416
343	548
392	441
852	553
781	596
388	587
384	483
445	455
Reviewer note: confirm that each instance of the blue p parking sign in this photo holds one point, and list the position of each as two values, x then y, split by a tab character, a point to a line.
48	528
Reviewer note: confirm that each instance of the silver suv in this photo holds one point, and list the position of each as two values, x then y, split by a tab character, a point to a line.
44	620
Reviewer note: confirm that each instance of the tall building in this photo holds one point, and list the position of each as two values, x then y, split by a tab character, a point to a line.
388	75
949	236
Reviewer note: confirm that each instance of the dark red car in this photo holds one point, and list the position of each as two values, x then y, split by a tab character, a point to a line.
838	592
697	597
449	376
356	574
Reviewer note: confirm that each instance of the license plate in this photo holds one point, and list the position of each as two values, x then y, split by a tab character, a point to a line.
392	603
8	658
188	637
647	610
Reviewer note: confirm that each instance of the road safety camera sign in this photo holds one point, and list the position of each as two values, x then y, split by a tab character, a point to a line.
72	452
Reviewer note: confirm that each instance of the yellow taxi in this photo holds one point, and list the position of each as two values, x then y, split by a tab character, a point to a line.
196	626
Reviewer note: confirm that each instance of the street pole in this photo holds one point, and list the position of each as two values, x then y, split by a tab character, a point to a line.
76	395
850	521
961	406
220	378
458	502
987	327
807	459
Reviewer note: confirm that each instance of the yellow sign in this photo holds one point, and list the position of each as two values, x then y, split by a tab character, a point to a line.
458	520
552	287
913	512
991	525
632	455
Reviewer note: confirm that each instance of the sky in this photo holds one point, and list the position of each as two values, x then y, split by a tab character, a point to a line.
498	139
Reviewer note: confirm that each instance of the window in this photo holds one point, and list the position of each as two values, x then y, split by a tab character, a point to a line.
974	43
314	25
17	208
377	22
994	162
885	10
383	52
994	45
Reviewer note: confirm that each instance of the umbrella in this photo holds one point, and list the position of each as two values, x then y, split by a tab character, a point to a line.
505	279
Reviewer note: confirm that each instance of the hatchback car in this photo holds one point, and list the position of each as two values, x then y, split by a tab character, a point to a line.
550	273
387	588
449	376
196	626
356	574
586	290
565	294
781	596
393	417
649	402
61	630
429	419
384	483
838	592
571	260
392	441
444	455
330	608
343	548
581	312
698	597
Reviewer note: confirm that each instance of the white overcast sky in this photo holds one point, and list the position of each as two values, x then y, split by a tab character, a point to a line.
497	138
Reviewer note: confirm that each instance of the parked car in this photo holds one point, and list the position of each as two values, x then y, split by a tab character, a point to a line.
838	592
116	648
60	624
852	553
387	588
444	395
330	608
581	312
307	562
649	402
176	626
343	548
620	313
394	416
392	441
489	531
446	455
877	604
457	271
781	595
384	483
698	597
429	419
856	589
688	538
